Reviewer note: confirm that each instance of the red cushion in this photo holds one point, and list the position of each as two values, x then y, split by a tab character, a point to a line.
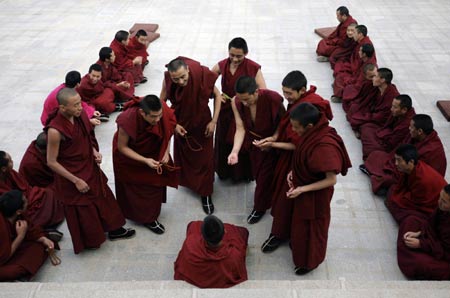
143	26
324	32
444	107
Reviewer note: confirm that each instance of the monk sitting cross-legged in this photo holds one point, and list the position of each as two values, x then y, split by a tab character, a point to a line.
137	47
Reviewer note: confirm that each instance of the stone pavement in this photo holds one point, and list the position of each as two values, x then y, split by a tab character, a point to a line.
42	40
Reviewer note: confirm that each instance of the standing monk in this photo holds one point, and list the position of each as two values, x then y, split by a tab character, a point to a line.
231	69
89	204
257	113
318	158
142	165
188	86
328	45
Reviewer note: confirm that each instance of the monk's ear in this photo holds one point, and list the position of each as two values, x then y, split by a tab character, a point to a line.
420	131
309	126
302	91
3	169
141	111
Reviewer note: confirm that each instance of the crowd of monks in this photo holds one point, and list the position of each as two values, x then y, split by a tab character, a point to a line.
291	152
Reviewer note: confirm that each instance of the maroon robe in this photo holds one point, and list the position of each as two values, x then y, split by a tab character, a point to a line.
207	267
190	104
97	95
89	215
387	137
327	46
135	49
373	108
124	62
34	169
269	111
320	150
343	52
140	190
111	76
281	208
381	165
354	61
415	193
432	260
28	257
43	208
223	138
351	103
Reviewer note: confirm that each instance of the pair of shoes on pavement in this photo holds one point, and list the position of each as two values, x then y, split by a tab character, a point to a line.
54	235
104	117
255	216
207	205
121	233
156	227
336	99
271	244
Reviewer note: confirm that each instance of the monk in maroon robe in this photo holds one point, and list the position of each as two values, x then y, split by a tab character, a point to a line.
232	68
137	47
284	141
257	113
380	165
327	46
123	61
417	191
344	50
121	83
375	107
213	254
188	86
22	245
353	95
89	204
43	208
33	166
423	244
93	91
388	136
143	167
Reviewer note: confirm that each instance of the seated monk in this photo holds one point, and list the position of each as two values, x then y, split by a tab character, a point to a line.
73	79
33	166
423	244
380	165
95	93
353	95
43	208
137	47
375	107
123	61
22	245
121	83
354	77
388	136
417	191
345	50
327	46
213	254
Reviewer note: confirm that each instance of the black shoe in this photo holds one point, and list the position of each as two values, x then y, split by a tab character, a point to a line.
301	271
364	169
103	118
382	192
255	216
121	233
207	205
156	227
146	62
54	235
119	107
271	244
144	80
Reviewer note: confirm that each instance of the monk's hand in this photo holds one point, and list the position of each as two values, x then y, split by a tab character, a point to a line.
21	228
98	157
165	158
233	158
47	242
96	114
289	179
210	129
81	185
180	130
95	121
294	192
152	163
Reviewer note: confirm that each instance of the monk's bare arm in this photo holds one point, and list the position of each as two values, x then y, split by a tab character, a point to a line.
216	69
217	104
238	135
330	180
162	94
260	81
53	142
21	231
122	146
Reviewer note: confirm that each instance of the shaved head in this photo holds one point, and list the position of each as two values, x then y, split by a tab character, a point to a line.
65	94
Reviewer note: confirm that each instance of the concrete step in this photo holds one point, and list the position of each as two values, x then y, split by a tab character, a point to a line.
249	289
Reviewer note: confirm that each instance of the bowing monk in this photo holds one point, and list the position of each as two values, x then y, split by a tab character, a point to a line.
257	113
352	97
95	93
137	47
423	244
319	156
72	153
121	83
328	45
345	50
143	167
22	245
417	191
213	254
284	141
188	86
123	61
43	207
388	136
33	166
72	80
236	65
380	165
